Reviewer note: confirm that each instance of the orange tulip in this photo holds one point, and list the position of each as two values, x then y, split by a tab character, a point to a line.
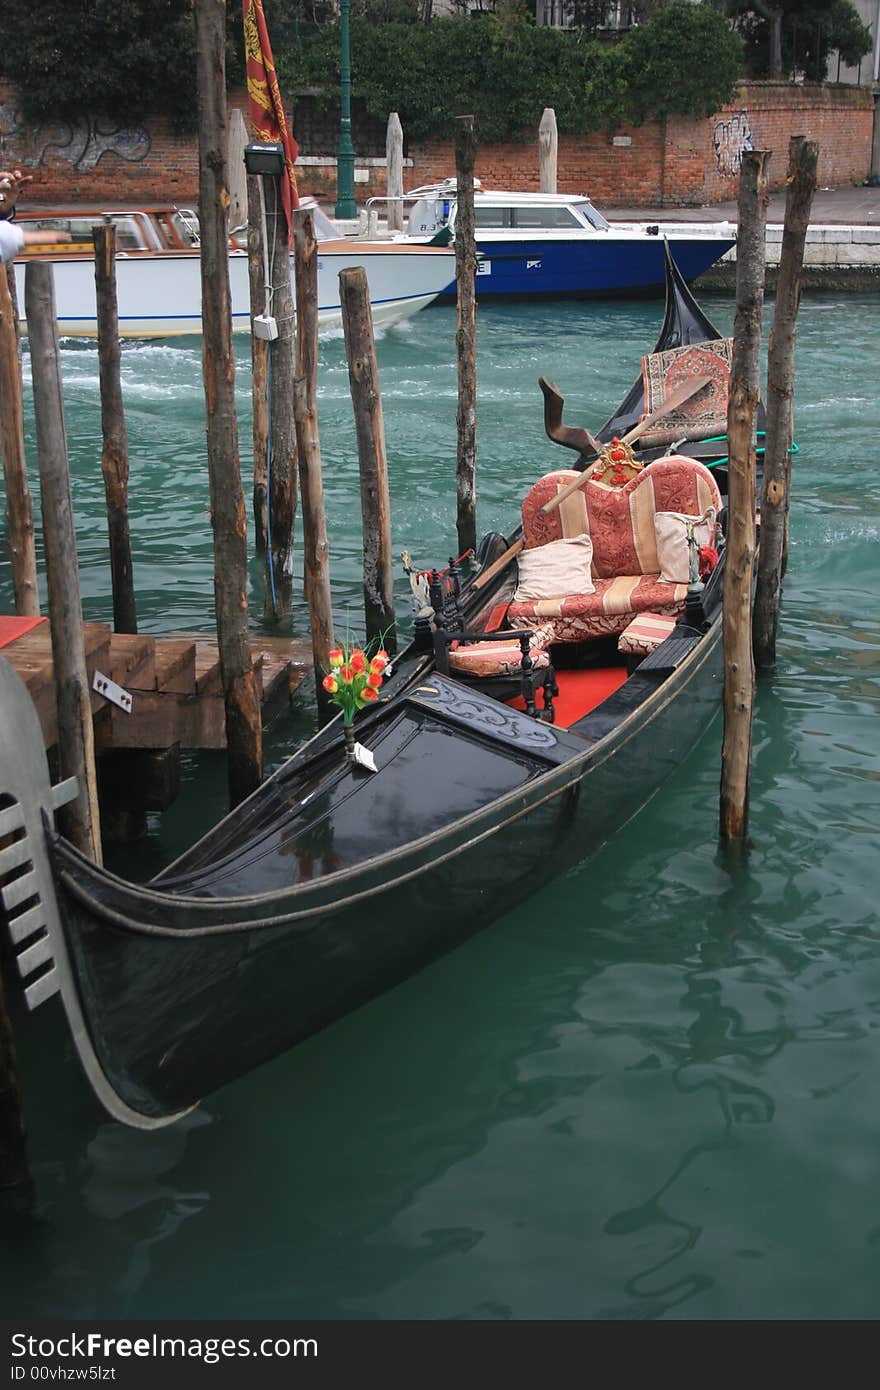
337	657
330	684
358	661
368	693
374	680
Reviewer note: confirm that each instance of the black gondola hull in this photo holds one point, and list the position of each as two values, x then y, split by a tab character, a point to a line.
181	996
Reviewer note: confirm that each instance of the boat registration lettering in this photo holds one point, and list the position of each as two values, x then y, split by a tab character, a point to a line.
484	267
533	265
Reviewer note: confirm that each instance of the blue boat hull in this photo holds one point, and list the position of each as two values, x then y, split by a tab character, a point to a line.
588	268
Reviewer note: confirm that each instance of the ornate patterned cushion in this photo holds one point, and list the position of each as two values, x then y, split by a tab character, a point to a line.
620	520
501	658
705	413
645	633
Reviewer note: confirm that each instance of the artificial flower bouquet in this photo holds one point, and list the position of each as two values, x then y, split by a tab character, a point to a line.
355	678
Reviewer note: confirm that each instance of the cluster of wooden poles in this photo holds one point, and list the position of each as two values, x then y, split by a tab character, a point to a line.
749	628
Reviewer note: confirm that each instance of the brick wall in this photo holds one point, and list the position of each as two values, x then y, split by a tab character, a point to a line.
684	162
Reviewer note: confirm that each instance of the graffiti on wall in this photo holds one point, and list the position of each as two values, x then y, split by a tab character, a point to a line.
80	143
731	139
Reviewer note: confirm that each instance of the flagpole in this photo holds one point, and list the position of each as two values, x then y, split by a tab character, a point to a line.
345	204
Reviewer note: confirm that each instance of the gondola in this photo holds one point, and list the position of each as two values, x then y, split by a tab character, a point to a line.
509	745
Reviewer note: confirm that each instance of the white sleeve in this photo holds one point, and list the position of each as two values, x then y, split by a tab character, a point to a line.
11	240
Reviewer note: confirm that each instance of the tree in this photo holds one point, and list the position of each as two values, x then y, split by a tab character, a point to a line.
678	40
799	35
128	60
121	59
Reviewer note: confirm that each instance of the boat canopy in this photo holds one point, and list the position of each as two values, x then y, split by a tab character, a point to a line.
434	207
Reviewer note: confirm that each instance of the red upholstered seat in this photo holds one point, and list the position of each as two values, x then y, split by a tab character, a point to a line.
620	522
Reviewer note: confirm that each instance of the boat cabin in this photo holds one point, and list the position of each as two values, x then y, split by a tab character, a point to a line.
434	207
148	231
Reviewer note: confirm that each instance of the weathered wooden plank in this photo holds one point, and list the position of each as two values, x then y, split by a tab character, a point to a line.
175	668
132	660
160	719
179	698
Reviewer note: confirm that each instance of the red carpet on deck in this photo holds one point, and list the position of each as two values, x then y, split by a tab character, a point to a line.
10	628
579	692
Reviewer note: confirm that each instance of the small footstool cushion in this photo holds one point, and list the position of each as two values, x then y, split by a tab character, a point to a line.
645	633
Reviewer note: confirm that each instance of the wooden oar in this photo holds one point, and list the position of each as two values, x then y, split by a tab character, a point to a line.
679	396
672	402
498	564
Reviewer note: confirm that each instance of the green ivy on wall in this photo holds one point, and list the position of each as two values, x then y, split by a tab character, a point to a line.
132	59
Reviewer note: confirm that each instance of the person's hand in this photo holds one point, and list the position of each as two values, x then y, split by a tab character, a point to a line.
45	238
11	183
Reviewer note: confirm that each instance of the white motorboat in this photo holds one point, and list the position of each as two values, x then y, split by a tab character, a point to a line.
158	276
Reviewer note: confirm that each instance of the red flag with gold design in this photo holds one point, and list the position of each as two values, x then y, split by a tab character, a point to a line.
264	100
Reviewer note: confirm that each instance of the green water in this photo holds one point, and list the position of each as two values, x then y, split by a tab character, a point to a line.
651	1092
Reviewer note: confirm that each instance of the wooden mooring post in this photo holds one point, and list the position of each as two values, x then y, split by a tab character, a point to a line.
281	458
114	452
363	375
466	335
76	744
803	159
244	731
259	358
19	506
236	140
548	146
394	176
316	551
745	383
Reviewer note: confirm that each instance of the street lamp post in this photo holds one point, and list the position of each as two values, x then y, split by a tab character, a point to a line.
345	204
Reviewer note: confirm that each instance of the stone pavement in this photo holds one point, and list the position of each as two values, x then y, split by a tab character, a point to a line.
852	206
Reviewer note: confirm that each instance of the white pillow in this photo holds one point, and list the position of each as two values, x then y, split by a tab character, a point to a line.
555	569
670	532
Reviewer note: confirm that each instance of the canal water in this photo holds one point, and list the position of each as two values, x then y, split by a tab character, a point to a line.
650	1092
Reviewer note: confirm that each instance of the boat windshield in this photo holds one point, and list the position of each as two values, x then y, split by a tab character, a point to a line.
589	214
548	218
325	228
130	233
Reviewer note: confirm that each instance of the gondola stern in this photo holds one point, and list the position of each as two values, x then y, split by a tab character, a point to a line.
29	893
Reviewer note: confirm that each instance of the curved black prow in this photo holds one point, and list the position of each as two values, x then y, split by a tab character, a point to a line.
683	323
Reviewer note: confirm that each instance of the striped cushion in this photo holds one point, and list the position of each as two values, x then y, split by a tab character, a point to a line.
576	617
645	633
501	658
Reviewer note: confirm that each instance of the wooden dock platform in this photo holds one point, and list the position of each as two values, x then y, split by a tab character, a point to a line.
174	683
